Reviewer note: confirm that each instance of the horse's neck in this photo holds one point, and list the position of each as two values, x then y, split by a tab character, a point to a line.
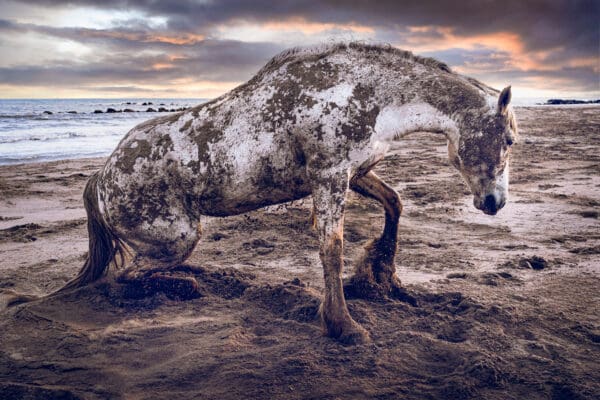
397	121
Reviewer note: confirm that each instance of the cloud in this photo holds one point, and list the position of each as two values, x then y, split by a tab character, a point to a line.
541	23
206	60
534	42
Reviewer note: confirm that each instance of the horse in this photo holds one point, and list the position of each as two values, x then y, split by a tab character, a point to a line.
313	121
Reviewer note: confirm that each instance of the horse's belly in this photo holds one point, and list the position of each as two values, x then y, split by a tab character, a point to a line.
254	191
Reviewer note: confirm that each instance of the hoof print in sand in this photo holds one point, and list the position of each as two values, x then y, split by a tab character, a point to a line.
291	300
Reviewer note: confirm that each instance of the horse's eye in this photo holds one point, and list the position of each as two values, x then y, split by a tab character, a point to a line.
509	141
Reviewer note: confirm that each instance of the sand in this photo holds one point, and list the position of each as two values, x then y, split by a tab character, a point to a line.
506	306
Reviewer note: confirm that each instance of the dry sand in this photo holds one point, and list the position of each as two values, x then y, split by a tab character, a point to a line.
507	305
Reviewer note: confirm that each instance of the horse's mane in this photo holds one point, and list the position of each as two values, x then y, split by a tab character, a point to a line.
315	53
482	86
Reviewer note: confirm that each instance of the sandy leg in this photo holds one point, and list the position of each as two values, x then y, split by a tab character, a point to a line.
376	271
329	198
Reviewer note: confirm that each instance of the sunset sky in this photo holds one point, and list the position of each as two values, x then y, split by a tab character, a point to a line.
202	48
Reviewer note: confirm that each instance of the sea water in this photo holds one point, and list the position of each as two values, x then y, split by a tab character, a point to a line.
29	133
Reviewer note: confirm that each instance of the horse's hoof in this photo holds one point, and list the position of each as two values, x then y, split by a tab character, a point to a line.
354	335
348	332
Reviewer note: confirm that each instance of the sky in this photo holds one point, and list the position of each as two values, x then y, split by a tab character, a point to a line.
203	48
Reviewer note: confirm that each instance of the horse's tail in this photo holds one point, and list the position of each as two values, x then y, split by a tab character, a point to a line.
104	247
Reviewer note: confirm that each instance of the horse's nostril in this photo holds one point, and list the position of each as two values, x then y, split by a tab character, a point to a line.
490	203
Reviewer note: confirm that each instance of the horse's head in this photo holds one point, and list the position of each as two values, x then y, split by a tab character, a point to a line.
481	153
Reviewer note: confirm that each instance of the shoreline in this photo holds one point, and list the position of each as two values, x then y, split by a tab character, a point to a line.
53	163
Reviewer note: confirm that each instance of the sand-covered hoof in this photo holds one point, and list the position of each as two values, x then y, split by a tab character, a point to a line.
347	331
353	334
366	288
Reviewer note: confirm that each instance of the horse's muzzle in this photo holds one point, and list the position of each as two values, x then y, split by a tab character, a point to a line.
489	205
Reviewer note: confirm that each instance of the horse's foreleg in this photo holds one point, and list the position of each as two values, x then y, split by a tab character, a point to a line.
329	198
377	265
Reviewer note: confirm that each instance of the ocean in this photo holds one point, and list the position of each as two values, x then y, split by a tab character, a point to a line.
57	129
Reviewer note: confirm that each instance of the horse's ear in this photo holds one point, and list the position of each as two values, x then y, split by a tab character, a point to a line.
503	100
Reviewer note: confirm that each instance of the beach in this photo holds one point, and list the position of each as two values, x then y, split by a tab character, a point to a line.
501	307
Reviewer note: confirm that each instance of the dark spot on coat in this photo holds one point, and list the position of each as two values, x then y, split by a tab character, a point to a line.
186	126
163	145
130	154
203	136
363	116
317	76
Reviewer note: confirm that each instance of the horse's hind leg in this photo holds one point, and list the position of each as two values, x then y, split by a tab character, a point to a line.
377	268
158	252
329	198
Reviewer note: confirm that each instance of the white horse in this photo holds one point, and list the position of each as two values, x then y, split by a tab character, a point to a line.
313	121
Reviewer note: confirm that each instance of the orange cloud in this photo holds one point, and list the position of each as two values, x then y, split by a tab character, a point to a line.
182	88
189	87
592	62
447	38
504	42
181	39
297	24
159	66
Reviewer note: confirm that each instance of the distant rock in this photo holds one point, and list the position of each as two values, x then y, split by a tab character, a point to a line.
71	112
149	103
111	110
128	110
554	102
48	112
150	109
162	109
98	112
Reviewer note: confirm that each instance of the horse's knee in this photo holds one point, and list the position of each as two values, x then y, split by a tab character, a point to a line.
394	204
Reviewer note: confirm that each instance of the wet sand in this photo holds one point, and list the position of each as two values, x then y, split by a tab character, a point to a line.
507	306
